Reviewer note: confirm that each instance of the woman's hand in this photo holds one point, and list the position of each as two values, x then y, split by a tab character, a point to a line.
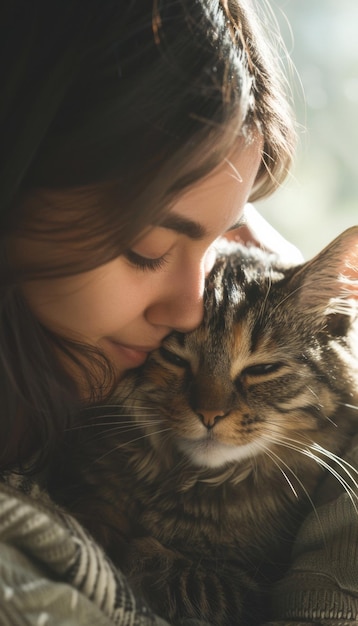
257	231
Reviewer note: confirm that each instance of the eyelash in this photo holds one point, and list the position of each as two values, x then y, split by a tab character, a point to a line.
144	263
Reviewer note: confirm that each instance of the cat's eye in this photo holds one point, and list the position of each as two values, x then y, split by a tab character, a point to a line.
173	358
262	369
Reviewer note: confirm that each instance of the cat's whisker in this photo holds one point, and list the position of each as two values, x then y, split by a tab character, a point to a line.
349	406
117	422
128	443
347	488
116	406
320	406
345	465
120	417
280	437
304	489
119	428
272	456
96	407
310	452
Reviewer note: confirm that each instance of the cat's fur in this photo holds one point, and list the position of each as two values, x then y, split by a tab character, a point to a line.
196	479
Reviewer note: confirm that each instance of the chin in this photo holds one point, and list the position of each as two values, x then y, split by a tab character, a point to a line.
211	454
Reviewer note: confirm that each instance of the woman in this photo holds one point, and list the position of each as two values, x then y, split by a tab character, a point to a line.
134	133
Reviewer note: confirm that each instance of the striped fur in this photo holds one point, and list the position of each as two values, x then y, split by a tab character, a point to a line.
195	479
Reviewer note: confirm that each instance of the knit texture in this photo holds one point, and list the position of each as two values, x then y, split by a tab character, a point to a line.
52	573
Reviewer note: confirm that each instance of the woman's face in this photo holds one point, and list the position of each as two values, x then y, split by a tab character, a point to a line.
127	306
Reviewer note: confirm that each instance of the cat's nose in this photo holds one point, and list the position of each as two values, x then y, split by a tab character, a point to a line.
209	417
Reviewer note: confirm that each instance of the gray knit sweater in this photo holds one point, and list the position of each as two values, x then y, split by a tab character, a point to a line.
53	574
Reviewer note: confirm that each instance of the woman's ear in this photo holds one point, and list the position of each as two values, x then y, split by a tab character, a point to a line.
328	284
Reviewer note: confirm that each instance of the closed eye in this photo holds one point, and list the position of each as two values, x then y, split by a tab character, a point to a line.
145	263
261	369
173	358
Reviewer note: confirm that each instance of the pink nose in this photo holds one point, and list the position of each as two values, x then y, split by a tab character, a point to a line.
210	417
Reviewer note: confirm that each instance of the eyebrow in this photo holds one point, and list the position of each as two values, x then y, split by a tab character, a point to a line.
190	228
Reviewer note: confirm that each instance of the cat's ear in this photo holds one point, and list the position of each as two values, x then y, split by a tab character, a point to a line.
328	284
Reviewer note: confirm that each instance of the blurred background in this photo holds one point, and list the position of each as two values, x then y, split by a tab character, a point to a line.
320	197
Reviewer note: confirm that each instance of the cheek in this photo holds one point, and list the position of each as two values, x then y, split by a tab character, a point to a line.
89	306
65	311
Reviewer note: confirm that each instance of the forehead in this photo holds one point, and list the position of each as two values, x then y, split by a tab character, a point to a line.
219	198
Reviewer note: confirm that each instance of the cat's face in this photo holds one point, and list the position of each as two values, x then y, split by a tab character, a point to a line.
263	368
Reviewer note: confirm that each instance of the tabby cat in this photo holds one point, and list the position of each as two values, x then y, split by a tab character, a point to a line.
197	475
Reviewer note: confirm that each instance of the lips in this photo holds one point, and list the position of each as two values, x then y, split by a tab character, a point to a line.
130	356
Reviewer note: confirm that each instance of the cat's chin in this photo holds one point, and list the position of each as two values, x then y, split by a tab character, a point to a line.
208	453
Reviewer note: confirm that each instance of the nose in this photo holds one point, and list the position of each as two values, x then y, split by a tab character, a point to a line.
180	305
209	417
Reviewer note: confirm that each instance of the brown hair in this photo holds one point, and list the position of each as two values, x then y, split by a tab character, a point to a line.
126	105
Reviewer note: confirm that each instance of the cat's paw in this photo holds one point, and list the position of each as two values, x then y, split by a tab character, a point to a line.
144	554
177	587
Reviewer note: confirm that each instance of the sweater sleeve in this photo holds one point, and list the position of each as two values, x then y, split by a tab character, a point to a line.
53	574
321	586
